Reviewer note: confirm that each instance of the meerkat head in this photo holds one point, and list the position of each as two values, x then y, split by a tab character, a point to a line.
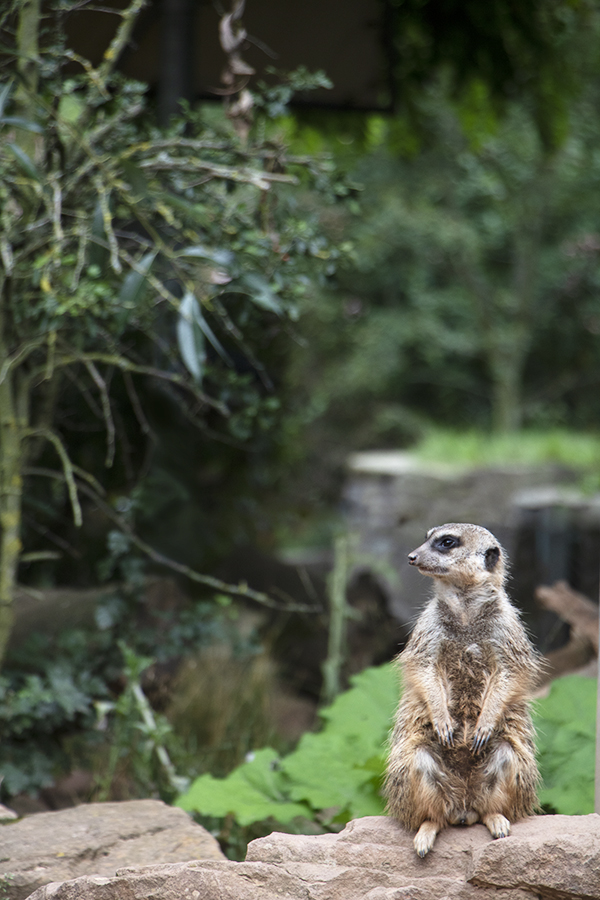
460	554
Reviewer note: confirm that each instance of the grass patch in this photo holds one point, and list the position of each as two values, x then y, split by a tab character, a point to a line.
477	448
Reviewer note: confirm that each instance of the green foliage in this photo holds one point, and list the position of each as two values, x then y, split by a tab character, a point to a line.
149	280
254	791
333	775
531	447
565	721
81	687
471	295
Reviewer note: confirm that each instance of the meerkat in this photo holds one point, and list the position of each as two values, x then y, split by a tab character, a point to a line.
462	747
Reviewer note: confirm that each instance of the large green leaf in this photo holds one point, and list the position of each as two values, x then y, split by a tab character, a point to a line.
252	792
342	765
365	711
323	770
565	723
24	161
337	769
190	336
5	90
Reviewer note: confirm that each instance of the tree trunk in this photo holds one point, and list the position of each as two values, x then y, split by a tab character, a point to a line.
27	42
11	490
13	397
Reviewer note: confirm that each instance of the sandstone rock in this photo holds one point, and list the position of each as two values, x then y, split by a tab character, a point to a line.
96	839
556	856
548	857
7	814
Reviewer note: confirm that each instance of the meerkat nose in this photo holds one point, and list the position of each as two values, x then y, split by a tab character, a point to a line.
412	558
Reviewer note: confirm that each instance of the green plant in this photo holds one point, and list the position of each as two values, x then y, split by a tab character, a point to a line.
133	262
530	447
565	721
75	698
139	735
331	776
335	774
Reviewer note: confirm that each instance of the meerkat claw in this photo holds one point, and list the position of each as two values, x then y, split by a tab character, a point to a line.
445	735
480	739
497	825
425	838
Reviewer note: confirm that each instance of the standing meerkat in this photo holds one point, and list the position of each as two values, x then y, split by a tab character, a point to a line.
462	747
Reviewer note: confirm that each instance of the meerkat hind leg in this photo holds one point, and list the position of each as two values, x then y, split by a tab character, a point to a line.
497	825
425	837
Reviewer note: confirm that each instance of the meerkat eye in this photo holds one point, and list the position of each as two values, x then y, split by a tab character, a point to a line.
446	542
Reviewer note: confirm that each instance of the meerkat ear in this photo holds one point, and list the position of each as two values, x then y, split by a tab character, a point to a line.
492	555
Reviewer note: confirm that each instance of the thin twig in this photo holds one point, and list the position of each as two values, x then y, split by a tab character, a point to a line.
121	38
115	262
20	356
259	179
66	464
106	410
136	405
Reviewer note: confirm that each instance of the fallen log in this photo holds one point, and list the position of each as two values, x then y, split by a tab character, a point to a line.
574	608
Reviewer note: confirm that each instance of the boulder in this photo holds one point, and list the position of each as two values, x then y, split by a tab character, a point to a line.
548	857
96	839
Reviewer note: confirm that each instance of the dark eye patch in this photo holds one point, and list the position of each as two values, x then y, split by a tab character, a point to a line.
492	555
446	542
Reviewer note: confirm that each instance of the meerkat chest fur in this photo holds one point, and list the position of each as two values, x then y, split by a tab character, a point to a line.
465	646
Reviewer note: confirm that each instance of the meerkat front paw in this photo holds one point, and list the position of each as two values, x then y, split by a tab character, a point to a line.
481	736
444	730
425	838
497	825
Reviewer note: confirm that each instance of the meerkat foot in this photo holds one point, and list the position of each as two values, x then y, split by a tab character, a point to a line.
497	825
425	838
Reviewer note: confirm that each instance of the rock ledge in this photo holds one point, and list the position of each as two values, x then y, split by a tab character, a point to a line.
553	857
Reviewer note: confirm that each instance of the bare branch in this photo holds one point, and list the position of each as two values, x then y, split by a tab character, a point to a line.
261	180
121	38
115	262
20	356
125	365
6	255
57	211
66	464
572	607
106	410
82	233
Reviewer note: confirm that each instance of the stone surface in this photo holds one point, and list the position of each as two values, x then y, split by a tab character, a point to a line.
96	839
548	857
